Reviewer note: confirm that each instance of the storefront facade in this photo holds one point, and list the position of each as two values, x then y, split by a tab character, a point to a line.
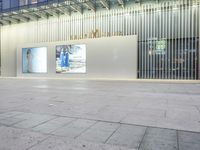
167	31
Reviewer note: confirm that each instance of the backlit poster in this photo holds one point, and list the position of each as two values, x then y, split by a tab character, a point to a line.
34	60
71	58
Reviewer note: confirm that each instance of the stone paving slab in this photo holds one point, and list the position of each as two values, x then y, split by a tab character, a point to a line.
75	128
100	132
59	143
152	144
128	103
10	121
52	125
10	114
188	146
32	116
162	134
189	137
33	121
103	135
128	135
18	139
159	139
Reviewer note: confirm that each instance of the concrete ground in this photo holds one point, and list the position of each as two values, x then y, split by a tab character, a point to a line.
41	114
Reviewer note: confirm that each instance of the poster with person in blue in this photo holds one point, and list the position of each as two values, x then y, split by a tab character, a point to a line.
71	58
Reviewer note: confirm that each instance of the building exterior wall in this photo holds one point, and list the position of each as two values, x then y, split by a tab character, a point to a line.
168	35
106	58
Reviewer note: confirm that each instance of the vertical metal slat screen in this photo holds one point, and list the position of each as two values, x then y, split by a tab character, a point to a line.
169	40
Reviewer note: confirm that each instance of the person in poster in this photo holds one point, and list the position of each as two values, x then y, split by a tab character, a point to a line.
34	60
66	58
29	57
62	59
71	58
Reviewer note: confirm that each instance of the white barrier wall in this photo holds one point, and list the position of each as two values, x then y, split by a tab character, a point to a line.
49	32
108	57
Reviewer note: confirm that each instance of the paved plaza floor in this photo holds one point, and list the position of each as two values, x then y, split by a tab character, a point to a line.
54	114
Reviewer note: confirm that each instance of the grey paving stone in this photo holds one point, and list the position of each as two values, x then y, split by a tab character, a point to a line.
34	121
159	139
162	134
189	137
142	103
52	125
10	121
81	123
144	116
18	139
100	132
75	128
105	126
128	135
10	114
59	143
188	146
150	144
32	116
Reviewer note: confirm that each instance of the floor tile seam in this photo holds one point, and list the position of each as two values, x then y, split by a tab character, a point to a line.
143	137
56	117
42	122
12	115
99	120
177	138
95	142
178	131
128	113
64	125
76	118
11	125
70	138
49	136
86	129
160	127
105	142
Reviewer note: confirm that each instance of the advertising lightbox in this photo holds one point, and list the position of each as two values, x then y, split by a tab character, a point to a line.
71	58
34	60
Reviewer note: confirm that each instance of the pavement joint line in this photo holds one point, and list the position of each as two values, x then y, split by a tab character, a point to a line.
42	123
13	115
38	142
99	120
143	137
177	136
16	122
112	134
86	129
60	127
28	130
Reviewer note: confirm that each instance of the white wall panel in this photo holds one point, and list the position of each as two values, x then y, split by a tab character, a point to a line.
107	57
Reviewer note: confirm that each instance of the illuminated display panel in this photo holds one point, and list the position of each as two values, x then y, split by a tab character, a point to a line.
71	58
34	60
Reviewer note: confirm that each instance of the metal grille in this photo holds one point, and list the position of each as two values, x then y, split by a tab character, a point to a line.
169	41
